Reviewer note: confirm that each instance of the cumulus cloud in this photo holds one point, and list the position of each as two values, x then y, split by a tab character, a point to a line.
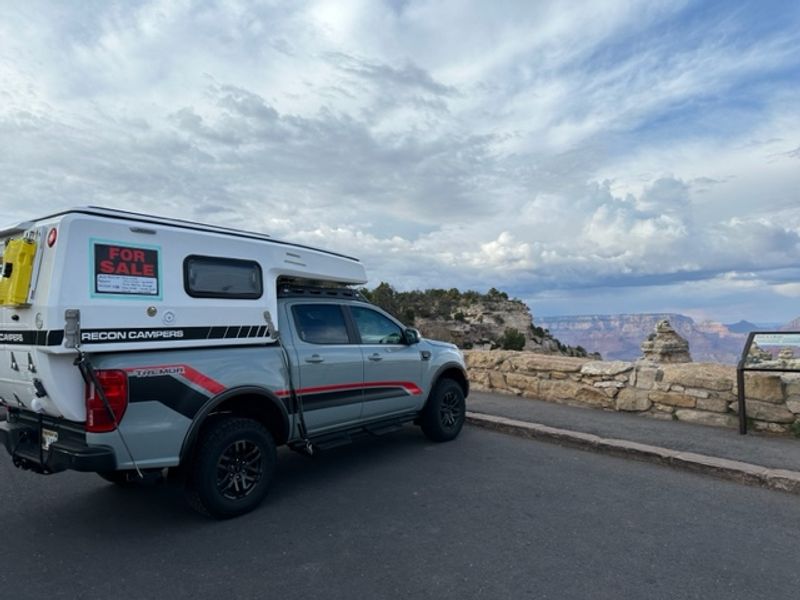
542	148
792	290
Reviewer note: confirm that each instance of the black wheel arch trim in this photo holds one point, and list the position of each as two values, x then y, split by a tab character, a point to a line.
443	369
228	394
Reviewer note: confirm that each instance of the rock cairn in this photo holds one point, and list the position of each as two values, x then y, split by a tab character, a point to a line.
665	345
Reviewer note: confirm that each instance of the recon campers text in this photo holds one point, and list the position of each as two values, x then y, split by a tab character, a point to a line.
13	338
122	335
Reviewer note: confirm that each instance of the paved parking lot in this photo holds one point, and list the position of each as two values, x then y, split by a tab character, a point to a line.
487	516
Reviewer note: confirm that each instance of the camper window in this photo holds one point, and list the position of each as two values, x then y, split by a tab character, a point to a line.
217	277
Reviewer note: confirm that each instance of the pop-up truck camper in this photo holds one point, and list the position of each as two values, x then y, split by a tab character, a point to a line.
136	346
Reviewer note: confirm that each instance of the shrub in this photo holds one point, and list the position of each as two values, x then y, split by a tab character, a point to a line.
538	331
512	339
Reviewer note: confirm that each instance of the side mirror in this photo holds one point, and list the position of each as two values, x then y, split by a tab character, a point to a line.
412	336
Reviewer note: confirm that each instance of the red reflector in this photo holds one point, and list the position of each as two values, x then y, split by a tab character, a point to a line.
51	237
115	386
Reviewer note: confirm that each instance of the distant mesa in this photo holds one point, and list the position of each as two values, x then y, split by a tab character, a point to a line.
743	327
618	337
792	325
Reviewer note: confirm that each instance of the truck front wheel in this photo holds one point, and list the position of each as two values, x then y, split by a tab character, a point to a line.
232	468
443	416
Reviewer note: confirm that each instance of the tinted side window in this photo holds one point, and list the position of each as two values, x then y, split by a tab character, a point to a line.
375	328
320	324
218	277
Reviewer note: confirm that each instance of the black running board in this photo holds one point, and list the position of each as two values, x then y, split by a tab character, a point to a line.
335	439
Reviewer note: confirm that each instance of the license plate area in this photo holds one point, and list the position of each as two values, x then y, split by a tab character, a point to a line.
49	437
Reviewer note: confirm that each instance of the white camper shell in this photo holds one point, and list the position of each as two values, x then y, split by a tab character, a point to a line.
101	280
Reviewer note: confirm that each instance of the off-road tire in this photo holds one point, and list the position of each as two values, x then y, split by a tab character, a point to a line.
229	448
443	416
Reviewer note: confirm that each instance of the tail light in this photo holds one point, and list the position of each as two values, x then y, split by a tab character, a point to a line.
115	387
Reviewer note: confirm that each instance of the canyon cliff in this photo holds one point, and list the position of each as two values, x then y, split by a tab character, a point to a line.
471	320
619	337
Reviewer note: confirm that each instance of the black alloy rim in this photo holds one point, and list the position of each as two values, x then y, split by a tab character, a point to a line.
239	469
450	411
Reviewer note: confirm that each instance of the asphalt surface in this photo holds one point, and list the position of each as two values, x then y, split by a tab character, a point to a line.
761	449
486	516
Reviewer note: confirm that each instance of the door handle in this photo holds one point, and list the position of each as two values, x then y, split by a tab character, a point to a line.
375	357
314	359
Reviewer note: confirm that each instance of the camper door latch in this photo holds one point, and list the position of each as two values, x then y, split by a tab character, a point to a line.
72	328
39	387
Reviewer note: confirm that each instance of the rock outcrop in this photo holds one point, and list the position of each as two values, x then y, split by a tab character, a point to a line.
470	319
757	355
664	345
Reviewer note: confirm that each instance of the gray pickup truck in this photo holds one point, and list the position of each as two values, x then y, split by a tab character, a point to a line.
209	363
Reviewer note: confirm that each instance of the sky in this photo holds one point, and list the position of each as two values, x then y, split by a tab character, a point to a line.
586	157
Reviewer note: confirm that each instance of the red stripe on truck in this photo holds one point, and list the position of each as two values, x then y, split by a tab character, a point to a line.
409	386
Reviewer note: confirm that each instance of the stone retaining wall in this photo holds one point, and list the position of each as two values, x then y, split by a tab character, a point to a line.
703	393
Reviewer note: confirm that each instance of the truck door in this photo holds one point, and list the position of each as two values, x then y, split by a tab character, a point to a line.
392	369
329	364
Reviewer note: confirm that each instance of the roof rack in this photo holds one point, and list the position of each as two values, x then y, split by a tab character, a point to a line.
288	290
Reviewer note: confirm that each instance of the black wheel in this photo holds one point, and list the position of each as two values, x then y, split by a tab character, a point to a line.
232	468
443	416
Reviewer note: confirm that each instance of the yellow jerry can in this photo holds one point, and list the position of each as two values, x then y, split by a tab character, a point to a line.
17	270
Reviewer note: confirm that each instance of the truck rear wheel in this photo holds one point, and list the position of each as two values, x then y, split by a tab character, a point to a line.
232	468
443	416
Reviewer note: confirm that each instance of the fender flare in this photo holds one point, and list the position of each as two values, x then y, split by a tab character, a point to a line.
244	390
449	366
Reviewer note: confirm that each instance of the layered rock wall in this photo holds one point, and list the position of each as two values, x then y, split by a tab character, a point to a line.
703	393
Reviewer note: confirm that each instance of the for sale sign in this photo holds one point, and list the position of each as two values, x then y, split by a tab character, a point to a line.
125	270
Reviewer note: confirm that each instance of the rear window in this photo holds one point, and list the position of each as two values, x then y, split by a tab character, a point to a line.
320	324
218	277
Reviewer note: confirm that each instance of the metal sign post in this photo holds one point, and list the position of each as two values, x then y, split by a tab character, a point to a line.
763	364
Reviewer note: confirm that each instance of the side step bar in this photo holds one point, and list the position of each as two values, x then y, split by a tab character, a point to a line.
347	436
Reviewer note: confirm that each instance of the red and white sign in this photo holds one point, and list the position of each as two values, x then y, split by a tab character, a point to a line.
125	270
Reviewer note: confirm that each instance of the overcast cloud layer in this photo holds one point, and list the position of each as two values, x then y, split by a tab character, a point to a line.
588	157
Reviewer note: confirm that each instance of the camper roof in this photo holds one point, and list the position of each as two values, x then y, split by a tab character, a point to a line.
113	213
